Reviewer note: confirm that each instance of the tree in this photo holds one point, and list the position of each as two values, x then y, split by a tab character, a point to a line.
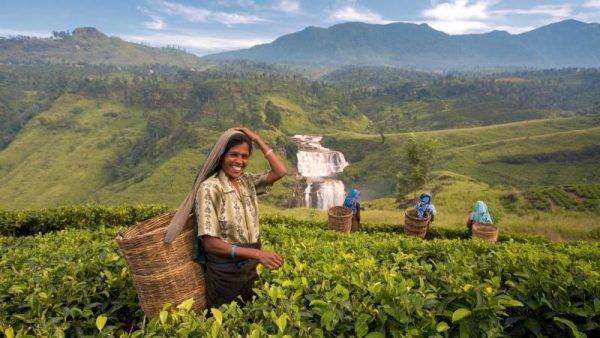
378	127
420	156
381	126
61	34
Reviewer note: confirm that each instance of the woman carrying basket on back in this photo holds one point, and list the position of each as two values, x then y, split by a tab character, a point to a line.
424	208
226	216
352	202
480	215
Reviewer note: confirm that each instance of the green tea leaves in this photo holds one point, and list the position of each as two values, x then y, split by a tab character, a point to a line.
100	322
460	314
442	327
186	304
217	315
574	330
281	323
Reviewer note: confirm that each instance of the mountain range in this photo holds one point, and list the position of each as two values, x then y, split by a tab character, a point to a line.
568	43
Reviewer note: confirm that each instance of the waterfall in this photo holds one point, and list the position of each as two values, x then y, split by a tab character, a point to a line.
317	168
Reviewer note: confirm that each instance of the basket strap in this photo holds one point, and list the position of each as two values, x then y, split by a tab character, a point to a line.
179	220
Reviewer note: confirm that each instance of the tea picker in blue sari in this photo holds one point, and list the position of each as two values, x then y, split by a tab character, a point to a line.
480	214
425	209
352	202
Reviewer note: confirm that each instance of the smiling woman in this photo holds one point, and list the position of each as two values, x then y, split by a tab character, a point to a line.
226	216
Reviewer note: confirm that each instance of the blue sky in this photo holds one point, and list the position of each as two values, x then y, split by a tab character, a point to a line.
204	27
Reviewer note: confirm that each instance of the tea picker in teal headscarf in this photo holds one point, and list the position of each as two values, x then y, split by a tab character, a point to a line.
352	202
480	214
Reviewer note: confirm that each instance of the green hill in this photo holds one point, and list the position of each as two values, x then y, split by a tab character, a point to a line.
87	45
538	152
121	134
65	154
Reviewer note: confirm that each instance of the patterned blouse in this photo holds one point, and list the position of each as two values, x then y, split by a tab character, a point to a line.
223	212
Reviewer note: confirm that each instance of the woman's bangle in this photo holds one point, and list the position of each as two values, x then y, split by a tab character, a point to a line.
232	253
268	152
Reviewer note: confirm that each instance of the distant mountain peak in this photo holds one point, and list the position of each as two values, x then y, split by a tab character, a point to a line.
88	32
562	26
569	22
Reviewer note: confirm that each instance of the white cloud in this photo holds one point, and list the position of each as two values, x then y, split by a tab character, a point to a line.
515	29
232	3
16	32
288	6
460	16
202	44
556	11
591	4
589	16
459	10
350	13
459	26
233	18
156	23
467	16
196	14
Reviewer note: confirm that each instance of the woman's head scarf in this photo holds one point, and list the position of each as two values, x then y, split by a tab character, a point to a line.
423	205
352	200
209	167
481	213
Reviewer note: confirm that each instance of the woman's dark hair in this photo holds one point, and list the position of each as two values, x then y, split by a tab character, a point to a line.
237	139
234	141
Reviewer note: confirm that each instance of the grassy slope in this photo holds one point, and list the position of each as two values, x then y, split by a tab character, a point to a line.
454	196
475	152
48	167
298	120
45	166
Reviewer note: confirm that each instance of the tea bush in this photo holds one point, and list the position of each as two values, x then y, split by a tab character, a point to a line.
89	216
29	222
376	283
580	197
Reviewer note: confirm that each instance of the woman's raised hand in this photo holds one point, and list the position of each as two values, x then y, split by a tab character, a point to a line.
254	137
270	260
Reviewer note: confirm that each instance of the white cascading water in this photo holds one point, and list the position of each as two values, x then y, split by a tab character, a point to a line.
317	167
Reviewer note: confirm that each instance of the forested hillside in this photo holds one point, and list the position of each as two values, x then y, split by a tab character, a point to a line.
400	100
87	45
112	133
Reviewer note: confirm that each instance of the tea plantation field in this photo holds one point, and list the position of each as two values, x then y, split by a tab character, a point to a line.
375	283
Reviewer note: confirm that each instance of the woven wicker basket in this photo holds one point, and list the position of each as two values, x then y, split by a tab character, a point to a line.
162	273
340	219
488	232
415	226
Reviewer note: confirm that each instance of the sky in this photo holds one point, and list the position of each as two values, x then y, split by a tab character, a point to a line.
204	27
